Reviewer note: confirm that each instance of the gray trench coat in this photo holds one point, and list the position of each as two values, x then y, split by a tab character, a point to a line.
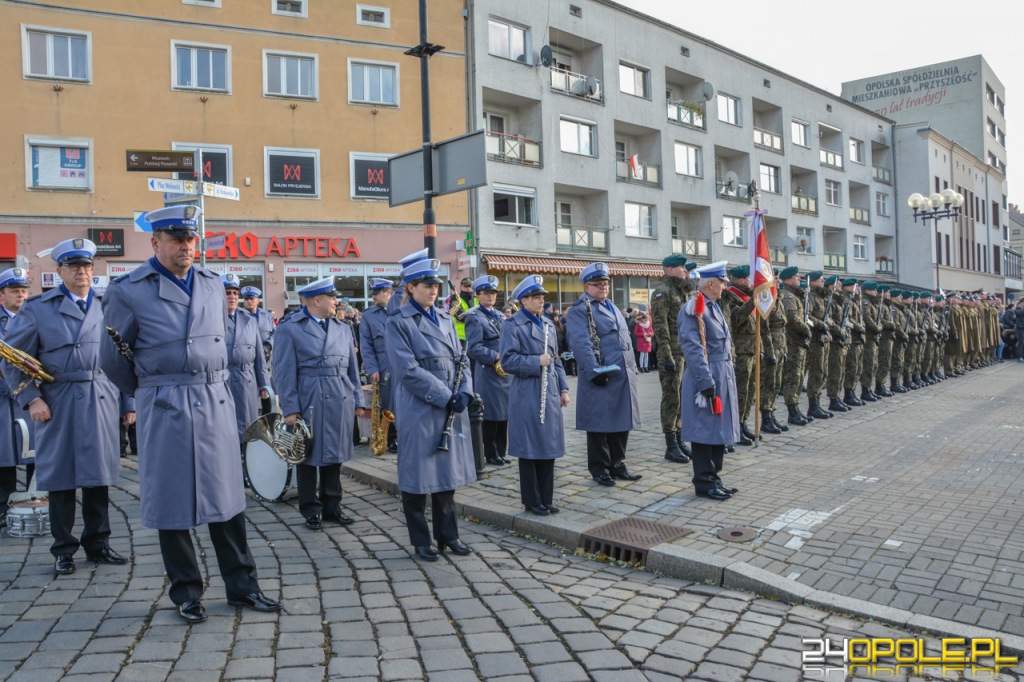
248	367
317	376
483	339
699	424
522	343
373	348
190	471
423	361
10	435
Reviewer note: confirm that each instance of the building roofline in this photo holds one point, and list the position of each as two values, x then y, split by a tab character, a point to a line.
925	127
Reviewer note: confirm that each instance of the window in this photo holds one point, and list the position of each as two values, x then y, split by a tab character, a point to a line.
289	75
860	248
729	109
733	231
798	130
856	151
634	80
292	173
373	16
201	67
833	193
515	205
216	162
688	160
578	137
291	8
53	53
805	241
508	41
639	220
881	203
770	179
563	213
58	163
373	83
202	3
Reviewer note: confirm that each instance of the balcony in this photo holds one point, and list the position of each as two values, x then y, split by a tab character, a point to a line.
512	149
883	175
835	261
805	204
581	239
732	191
687	114
576	85
642	174
831	159
884	267
767	140
861	216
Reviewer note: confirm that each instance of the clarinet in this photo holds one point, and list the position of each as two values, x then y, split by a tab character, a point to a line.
122	346
450	421
544	377
595	340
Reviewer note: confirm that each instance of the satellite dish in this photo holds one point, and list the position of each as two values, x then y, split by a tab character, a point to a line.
707	91
545	55
732	181
593	87
787	245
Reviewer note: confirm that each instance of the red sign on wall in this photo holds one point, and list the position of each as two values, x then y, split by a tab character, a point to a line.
247	246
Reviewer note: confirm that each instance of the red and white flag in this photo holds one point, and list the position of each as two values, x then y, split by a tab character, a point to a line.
762	276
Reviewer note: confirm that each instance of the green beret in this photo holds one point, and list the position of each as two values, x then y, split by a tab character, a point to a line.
849	281
897	293
884	287
673	261
789	272
740	271
815	275
916	294
692	265
831	279
869	286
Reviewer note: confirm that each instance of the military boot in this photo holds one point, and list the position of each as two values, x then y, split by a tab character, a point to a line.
682	446
795	417
837	405
896	387
881	391
745	430
814	410
867	396
767	425
850	398
779	425
672	451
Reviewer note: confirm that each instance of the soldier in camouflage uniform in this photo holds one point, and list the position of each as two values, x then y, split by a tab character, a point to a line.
911	361
798	339
666	301
737	306
871	305
885	342
855	352
901	323
774	364
817	354
839	327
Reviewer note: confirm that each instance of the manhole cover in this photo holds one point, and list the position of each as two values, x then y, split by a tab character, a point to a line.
628	539
737	534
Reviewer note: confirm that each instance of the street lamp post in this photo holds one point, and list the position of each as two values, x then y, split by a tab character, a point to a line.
944	204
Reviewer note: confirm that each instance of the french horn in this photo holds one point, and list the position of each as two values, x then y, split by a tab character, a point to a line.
289	446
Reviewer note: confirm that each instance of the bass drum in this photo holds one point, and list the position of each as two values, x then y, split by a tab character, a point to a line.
269	477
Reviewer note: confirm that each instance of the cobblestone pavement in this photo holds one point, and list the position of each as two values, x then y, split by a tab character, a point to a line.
357	606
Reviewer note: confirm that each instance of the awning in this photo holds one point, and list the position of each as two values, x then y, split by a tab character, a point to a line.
567	266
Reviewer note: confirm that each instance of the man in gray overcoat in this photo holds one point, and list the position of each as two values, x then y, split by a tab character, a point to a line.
710	405
172	318
265	322
13	292
248	380
538	392
483	338
77	415
425	358
317	377
374	349
606	401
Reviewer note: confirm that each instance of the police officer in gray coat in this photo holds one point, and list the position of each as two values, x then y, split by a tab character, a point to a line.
483	338
539	391
265	322
248	380
710	408
425	357
13	292
77	415
316	373
373	348
172	317
606	402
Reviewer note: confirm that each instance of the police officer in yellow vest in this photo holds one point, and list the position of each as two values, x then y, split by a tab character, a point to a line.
459	305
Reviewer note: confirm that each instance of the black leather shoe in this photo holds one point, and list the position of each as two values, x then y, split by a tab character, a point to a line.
393	448
496	462
624	475
314	523
728	491
897	388
729	448
539	510
714	494
604	479
456	546
744	440
65	564
257	601
338	518
552	508
192	612
427	553
107	556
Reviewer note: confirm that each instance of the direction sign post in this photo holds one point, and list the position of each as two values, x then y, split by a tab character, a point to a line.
159	160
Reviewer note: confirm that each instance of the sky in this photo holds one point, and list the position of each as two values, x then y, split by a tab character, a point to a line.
827	43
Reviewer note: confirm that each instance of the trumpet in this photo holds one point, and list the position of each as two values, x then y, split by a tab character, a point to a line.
25	364
380	420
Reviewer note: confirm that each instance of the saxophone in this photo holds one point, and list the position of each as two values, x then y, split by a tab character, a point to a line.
380	420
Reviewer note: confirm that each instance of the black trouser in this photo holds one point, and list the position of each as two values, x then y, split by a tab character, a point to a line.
237	568
128	439
707	462
606	452
9	484
442	511
329	488
537	482
495	439
95	520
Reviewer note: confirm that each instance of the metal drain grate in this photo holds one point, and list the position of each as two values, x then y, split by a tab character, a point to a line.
628	539
737	534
